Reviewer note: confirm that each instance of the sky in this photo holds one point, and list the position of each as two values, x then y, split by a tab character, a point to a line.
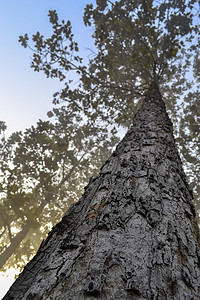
25	95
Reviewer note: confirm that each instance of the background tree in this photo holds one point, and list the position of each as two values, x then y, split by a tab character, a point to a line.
189	141
44	171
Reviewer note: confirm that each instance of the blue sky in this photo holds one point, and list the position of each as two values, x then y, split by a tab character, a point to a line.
25	96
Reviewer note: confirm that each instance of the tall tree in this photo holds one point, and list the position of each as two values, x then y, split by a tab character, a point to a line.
133	234
138	212
137	43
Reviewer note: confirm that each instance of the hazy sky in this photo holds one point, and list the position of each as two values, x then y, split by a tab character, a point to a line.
25	96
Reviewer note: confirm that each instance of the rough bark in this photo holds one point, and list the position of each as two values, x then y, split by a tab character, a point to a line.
133	234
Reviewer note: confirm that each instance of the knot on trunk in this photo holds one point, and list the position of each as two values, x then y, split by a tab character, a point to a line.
93	285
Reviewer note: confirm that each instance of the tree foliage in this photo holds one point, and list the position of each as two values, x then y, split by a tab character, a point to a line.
137	43
189	143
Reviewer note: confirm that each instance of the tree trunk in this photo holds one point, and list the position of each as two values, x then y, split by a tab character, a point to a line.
133	234
15	242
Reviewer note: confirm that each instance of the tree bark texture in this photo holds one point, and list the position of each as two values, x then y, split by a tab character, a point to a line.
133	234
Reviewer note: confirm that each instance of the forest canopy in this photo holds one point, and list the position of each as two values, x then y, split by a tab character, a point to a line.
137	44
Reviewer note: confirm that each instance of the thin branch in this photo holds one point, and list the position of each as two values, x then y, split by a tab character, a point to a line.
84	72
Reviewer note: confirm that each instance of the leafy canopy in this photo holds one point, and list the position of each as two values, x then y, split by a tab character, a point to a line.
137	43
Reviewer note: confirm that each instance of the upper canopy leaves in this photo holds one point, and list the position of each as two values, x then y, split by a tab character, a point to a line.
140	38
138	42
